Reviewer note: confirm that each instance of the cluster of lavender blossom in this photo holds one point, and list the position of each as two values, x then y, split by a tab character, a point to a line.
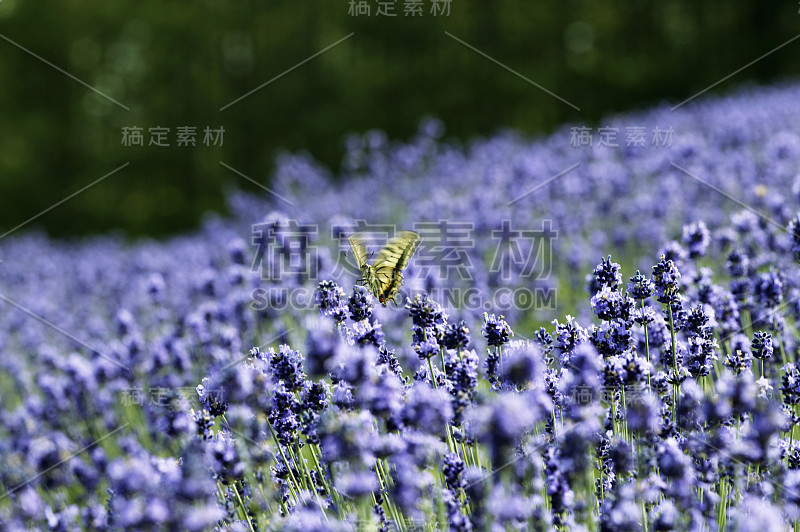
142	389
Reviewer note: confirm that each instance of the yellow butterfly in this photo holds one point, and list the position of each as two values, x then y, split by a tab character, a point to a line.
385	275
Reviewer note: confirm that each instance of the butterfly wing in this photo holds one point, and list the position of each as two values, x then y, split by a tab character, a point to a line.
390	263
398	251
359	249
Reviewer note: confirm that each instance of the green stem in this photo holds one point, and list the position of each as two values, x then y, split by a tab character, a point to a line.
624	421
674	363
320	472
646	345
364	514
780	346
644	516
614	414
298	462
310	481
285	462
447	425
244	509
747	324
499	352
384	488
464	452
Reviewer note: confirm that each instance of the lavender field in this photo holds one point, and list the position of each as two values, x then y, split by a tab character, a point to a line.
590	337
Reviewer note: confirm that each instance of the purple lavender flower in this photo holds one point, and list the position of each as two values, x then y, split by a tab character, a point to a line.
769	289
496	330
666	280
568	336
639	287
544	339
463	378
366	333
665	516
409	484
644	316
426	348
643	415
347	437
502	424
427	409
356	483
226	465
605	275
611	305
286	367
790	384
673	251
330	299
762	345
360	304
738	360
283	415
676	468
759	515
456	335
621	512
453	469
522	364
794	231
457	521
383	397
387	356
737	263
322	343
696	238
425	312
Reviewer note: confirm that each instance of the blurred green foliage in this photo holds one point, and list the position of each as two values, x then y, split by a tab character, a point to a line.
177	63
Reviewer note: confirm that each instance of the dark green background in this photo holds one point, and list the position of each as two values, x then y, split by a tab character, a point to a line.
176	63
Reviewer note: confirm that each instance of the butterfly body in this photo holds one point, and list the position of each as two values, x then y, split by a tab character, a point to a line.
385	275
